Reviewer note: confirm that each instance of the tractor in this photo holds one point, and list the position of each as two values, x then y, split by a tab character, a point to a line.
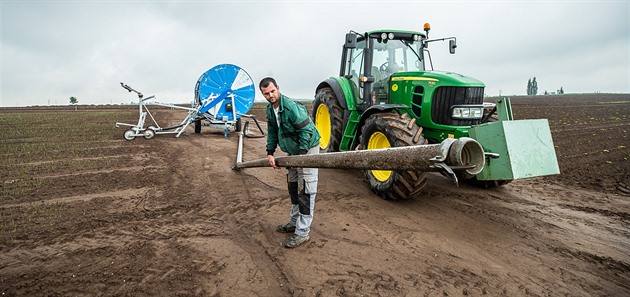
388	95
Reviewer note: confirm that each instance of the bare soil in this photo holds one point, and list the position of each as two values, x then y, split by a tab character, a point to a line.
86	213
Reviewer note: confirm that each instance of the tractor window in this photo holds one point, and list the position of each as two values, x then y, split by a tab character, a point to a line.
390	57
394	56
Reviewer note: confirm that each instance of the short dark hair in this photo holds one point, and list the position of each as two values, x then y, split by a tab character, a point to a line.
266	81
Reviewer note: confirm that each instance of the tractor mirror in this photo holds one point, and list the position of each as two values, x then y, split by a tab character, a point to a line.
452	45
351	40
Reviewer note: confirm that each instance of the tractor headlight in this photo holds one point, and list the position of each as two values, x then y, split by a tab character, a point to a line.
467	112
391	35
383	35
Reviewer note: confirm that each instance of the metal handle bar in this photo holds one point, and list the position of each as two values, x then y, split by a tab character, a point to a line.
128	88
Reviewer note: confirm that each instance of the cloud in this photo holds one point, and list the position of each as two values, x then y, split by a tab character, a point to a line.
52	50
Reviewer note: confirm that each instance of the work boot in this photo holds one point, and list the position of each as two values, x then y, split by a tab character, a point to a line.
296	240
286	228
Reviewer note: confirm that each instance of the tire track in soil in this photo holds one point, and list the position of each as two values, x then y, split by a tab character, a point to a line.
561	233
121	194
234	208
96	172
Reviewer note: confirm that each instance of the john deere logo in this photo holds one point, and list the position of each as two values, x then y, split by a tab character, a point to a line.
395	87
431	83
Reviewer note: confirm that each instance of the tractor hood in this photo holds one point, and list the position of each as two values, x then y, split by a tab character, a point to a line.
439	78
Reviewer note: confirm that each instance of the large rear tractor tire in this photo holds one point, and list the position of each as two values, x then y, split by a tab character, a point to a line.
329	120
393	130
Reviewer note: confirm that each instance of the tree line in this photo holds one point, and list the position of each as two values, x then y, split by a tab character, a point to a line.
532	88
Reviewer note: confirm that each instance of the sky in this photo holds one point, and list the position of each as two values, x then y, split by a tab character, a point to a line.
53	50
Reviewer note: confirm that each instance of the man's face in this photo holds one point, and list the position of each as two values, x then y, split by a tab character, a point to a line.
271	93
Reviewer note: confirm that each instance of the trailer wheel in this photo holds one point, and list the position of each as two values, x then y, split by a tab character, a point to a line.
197	126
393	130
129	135
148	134
239	125
329	119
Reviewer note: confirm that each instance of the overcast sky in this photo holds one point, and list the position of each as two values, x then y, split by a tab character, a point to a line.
52	50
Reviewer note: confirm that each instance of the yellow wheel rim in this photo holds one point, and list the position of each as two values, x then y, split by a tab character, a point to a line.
322	123
378	140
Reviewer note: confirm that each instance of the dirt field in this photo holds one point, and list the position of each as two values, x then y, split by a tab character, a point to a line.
85	213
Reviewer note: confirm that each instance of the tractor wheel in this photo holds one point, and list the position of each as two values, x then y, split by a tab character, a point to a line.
393	130
329	119
197	126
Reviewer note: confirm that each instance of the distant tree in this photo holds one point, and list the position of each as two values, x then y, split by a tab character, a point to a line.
546	92
532	87
561	91
74	101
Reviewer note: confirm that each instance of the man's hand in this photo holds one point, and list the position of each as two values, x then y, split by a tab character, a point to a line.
272	161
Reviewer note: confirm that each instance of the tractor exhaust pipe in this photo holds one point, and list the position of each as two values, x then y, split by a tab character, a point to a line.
452	155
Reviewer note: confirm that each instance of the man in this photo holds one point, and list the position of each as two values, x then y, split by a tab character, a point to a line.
289	125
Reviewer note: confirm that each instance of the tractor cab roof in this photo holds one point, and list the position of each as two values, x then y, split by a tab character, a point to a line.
397	34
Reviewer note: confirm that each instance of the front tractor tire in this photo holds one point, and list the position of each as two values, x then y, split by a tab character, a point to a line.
329	119
386	130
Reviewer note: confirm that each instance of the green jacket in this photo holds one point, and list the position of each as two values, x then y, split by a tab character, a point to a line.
297	131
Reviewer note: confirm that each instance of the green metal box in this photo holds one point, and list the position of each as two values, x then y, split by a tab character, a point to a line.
525	149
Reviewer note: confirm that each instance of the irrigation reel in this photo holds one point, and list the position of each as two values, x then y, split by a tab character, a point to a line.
223	95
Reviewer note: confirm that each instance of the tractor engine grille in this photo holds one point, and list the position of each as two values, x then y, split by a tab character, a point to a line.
445	97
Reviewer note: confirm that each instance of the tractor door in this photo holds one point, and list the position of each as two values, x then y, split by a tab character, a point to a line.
353	70
388	58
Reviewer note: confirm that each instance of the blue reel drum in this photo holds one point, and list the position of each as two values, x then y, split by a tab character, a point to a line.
216	88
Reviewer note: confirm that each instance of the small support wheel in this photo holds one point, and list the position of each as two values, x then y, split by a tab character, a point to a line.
197	126
129	135
238	126
148	134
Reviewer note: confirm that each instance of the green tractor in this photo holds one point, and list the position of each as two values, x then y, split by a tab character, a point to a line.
388	95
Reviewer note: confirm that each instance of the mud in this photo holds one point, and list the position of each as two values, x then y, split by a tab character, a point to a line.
94	215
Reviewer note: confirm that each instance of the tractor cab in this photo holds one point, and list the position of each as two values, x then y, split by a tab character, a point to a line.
369	60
